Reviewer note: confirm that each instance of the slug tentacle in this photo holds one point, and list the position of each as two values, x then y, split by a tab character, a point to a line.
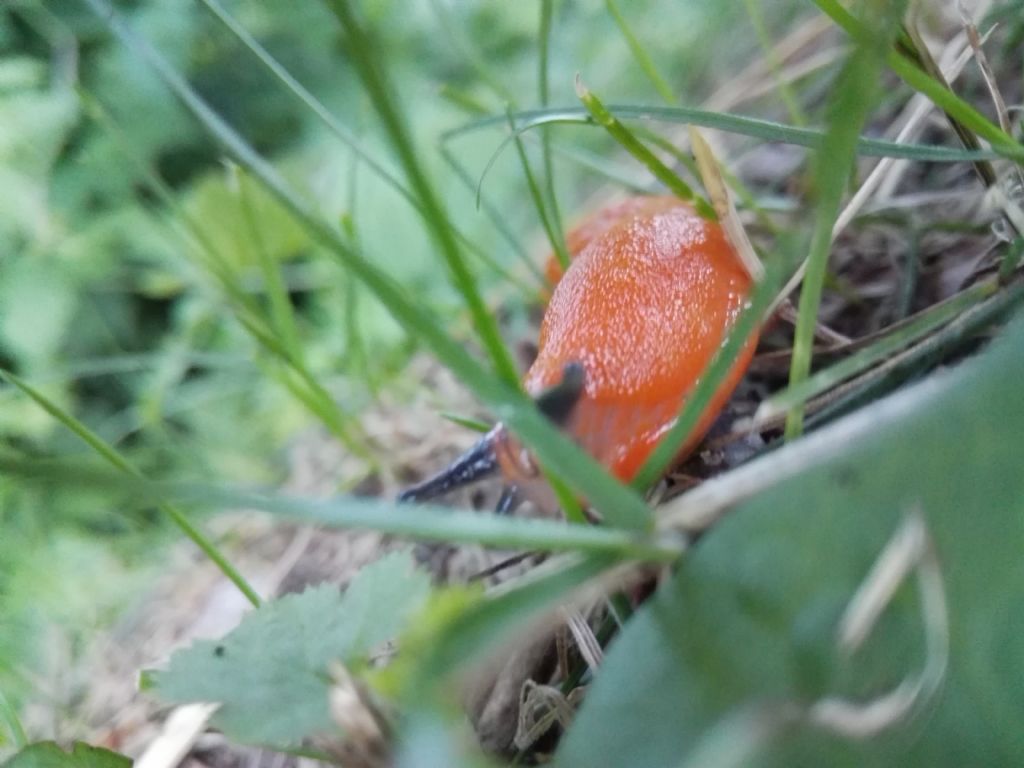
480	461
557	402
475	464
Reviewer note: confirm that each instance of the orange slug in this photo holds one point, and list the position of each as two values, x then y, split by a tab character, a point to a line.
645	303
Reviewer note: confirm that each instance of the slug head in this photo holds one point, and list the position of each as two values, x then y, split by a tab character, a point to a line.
500	450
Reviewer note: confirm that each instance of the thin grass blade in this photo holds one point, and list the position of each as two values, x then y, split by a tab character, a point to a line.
119	462
855	92
864	359
757	128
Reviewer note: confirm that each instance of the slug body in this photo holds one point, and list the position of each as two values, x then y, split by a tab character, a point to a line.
644	305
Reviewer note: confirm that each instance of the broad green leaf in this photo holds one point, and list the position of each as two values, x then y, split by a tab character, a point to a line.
271	673
750	618
46	754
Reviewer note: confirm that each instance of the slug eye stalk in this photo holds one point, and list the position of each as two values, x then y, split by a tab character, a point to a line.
481	460
478	462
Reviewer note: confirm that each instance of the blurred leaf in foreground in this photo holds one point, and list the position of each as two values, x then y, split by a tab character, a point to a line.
271	673
749	622
46	754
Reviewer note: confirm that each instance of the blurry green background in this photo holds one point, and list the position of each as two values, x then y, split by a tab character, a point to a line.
108	306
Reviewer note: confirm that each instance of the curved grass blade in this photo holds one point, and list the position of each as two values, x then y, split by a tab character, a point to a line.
552	230
619	505
115	459
500	225
766	130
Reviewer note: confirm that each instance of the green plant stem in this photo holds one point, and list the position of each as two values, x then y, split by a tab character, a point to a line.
115	459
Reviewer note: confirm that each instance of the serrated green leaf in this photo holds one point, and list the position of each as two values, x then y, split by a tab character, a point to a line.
271	673
46	754
751	616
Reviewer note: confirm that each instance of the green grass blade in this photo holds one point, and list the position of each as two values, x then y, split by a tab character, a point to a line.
600	165
308	100
420	522
436	523
465	421
115	459
619	505
923	83
554	237
640	54
954	336
796	114
854	94
369	65
1011	259
246	310
500	224
282	315
909	332
471	53
546	8
757	128
635	147
474	633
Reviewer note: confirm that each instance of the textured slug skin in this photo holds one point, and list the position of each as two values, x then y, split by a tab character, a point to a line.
645	303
